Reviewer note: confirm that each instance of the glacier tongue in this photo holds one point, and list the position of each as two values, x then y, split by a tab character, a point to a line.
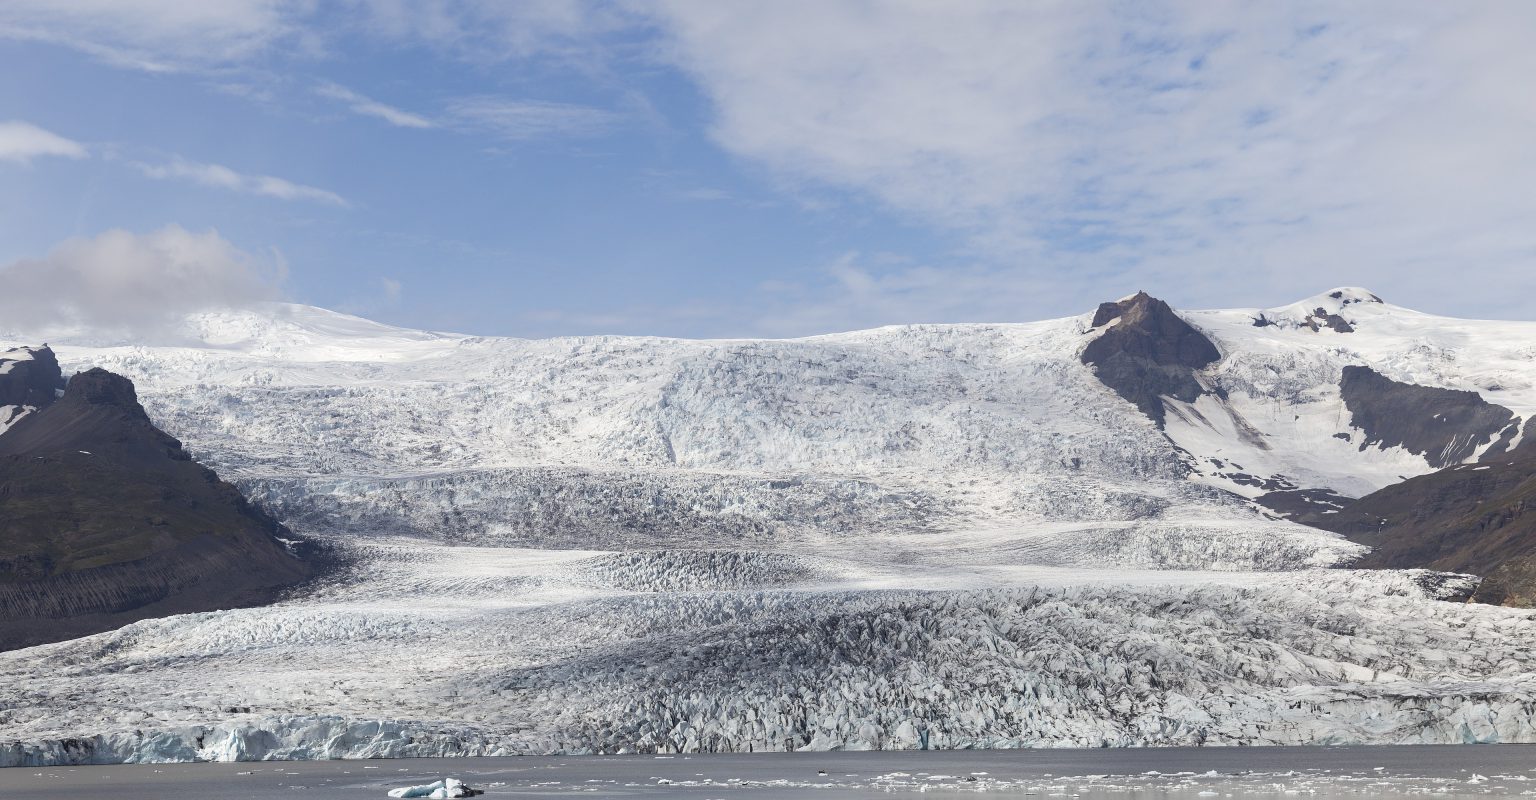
460	660
949	535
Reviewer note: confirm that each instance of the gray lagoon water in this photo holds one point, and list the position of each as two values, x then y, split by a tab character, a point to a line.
1171	773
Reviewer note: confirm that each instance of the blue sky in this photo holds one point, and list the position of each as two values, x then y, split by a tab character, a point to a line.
745	169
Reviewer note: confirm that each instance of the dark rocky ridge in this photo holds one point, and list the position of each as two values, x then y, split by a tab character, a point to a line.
1475	518
1148	353
1478	518
105	520
1446	426
29	376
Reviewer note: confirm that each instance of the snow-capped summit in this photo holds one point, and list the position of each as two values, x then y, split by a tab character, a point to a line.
1335	310
1347	295
295	332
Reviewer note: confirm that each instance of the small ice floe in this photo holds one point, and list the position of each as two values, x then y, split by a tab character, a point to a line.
436	790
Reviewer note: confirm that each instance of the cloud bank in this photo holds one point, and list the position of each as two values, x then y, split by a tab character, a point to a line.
1064	152
1221	153
138	286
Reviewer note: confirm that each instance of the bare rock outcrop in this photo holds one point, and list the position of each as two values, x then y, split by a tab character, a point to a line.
105	519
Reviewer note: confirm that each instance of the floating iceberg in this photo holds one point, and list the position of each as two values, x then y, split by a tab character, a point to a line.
436	790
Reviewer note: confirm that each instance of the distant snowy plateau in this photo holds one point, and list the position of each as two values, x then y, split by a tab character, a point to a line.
942	535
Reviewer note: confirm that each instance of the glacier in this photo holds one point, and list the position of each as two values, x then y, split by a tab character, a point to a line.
949	536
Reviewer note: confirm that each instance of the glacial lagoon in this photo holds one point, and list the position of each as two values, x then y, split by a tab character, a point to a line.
1140	774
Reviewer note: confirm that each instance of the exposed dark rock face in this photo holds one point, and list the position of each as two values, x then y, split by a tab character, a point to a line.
1328	313
1446	426
29	376
1512	583
1316	320
1320	318
1476	518
1303	505
105	519
1347	296
1148	353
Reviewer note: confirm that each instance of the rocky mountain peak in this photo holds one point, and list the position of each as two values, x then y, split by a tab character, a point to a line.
105	519
99	412
99	387
1145	351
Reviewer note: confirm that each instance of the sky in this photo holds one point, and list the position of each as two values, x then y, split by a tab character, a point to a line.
707	169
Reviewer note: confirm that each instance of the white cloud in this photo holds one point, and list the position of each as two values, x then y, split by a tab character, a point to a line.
137	285
1216	152
222	177
23	141
522	119
369	107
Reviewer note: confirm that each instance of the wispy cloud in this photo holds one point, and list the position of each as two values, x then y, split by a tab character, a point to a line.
222	177
23	141
500	117
158	35
375	296
704	194
182	35
522	119
369	107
